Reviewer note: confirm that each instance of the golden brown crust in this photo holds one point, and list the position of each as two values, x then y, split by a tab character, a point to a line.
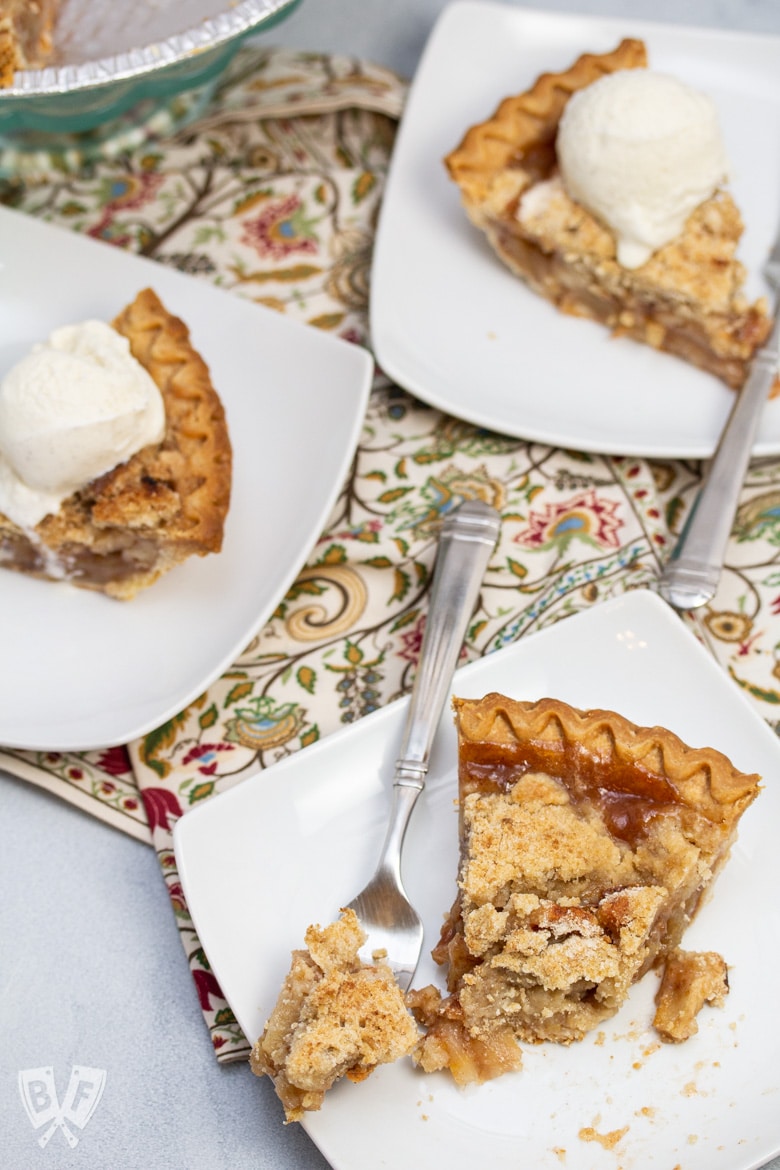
687	299
704	778
168	502
196	456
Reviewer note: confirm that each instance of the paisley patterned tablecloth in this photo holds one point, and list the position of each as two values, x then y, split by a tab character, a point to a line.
274	194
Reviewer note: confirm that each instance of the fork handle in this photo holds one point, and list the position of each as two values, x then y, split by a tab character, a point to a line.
693	571
467	540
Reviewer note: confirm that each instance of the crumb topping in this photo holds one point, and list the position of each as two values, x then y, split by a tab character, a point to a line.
336	1016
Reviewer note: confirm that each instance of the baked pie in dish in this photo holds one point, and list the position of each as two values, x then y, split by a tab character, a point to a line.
25	35
167	502
686	299
587	844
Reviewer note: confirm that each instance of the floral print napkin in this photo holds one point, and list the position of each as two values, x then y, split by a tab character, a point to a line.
274	193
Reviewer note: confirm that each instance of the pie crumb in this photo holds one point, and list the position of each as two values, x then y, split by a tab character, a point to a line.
607	1140
691	979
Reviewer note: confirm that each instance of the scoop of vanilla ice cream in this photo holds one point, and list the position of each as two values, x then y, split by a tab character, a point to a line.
641	151
73	408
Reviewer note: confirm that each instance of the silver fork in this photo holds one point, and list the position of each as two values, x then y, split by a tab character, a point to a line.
394	928
693	571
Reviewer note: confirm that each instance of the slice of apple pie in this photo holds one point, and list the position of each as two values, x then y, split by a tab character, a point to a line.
587	844
123	529
686	299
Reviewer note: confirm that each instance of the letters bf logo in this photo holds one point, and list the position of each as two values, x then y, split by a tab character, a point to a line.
82	1096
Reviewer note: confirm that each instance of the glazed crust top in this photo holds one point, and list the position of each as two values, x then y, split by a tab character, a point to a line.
703	779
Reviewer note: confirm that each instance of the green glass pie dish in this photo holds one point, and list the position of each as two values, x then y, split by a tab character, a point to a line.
116	66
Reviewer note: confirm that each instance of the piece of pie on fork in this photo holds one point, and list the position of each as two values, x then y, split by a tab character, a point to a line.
687	299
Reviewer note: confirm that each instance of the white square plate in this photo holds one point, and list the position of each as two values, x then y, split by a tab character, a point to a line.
452	324
289	846
81	670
